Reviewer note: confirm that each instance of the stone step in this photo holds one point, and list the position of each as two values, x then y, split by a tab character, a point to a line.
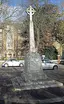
19	86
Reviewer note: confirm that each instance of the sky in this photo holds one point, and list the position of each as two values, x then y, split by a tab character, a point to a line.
60	3
15	2
24	3
56	1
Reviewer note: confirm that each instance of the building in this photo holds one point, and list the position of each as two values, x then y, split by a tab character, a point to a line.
9	42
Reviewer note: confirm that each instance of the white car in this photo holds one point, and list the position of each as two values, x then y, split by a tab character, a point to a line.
13	62
47	64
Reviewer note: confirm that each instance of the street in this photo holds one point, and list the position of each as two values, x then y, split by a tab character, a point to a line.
41	96
53	74
56	74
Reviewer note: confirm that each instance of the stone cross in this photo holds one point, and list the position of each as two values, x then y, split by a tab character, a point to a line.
31	11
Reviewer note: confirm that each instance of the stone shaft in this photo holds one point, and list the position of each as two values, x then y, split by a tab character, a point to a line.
31	11
32	41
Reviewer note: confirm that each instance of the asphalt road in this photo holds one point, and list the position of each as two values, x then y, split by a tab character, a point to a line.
42	96
53	74
56	74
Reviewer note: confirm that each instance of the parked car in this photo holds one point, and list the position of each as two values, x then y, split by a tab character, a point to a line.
13	62
47	64
62	61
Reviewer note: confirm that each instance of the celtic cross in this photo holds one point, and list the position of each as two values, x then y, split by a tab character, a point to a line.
30	11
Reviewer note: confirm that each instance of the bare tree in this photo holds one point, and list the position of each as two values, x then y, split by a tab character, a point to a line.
43	19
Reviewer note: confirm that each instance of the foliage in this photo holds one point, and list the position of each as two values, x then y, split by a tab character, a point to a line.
50	52
59	31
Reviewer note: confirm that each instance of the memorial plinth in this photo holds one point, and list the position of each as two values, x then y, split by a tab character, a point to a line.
33	67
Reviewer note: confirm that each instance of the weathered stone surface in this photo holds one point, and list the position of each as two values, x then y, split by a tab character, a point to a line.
33	70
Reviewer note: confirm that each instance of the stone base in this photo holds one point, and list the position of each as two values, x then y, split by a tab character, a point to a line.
38	85
33	70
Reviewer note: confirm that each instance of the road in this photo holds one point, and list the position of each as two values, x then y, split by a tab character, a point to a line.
41	96
56	74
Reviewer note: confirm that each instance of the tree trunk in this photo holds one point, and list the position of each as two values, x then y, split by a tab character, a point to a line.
38	39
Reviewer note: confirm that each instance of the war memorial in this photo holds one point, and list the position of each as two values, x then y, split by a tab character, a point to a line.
32	77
